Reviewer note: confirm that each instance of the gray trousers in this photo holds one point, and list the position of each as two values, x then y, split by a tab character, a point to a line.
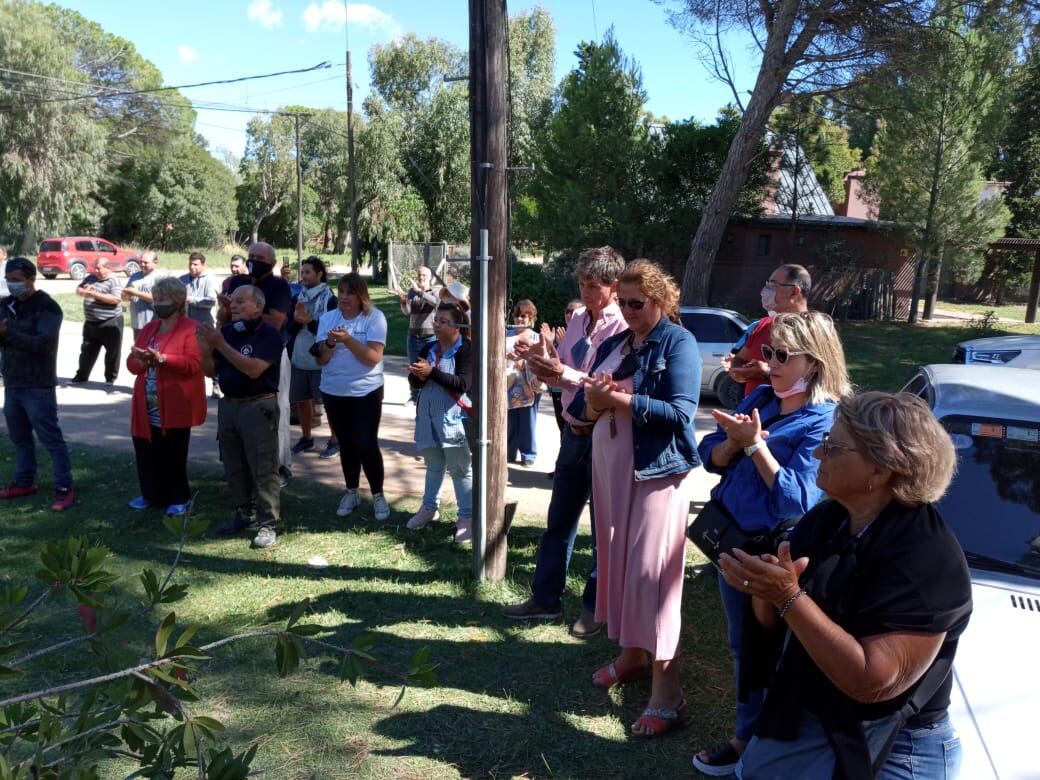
248	436
284	440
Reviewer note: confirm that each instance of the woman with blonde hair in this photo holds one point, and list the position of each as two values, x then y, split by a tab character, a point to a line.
764	453
643	395
867	600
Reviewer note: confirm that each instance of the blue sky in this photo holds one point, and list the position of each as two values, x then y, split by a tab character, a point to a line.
192	41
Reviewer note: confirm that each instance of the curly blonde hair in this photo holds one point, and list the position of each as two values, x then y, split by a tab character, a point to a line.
655	284
814	332
898	432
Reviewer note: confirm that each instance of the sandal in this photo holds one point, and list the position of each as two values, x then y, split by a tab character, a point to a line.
656	722
719	760
608	676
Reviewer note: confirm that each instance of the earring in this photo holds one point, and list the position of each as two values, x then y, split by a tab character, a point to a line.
870	486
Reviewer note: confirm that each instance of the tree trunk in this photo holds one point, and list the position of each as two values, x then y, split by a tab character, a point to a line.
1034	290
764	98
934	274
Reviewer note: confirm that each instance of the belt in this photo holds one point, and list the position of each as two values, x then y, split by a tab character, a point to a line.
249	398
581	430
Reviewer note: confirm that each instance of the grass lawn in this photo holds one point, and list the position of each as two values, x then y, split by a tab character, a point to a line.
512	700
1011	311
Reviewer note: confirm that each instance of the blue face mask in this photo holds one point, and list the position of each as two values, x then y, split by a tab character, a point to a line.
18	289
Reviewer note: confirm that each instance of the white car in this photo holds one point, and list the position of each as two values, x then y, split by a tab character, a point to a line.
993	506
716	330
1017	351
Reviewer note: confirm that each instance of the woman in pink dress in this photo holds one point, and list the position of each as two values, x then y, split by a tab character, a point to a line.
643	396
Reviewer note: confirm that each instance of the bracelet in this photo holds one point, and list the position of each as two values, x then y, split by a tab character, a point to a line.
330	344
790	602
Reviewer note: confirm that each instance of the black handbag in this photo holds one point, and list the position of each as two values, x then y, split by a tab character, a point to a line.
715	531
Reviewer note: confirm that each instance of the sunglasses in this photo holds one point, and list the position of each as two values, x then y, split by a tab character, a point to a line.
782	354
828	447
632	303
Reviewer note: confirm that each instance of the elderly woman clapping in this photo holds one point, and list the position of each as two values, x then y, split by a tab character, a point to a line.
867	600
169	399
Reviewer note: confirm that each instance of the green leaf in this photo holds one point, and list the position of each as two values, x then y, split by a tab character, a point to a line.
173	524
298	612
307	629
189	632
162	635
173	593
190	740
7	672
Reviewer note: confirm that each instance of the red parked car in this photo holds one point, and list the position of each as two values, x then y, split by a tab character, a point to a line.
75	256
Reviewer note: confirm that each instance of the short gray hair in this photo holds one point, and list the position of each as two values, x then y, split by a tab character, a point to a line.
603	262
899	432
255	292
171	287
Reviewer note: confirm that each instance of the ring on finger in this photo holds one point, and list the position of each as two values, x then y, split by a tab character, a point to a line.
745	583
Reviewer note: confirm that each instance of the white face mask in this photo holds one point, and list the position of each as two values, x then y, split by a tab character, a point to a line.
800	386
768	299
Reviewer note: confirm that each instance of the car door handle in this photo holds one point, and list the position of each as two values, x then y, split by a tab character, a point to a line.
717	354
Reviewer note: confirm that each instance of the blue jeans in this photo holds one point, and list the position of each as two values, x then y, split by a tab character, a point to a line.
572	488
28	409
736	604
925	753
520	432
457	461
415	345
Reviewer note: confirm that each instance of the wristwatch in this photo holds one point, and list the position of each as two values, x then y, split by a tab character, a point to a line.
161	359
752	449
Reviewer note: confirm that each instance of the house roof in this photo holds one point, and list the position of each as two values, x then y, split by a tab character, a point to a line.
797	187
827	221
1015	243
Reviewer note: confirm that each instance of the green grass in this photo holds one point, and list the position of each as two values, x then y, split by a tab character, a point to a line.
1012	311
512	700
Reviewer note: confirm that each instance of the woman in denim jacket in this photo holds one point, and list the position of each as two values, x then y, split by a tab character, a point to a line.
764	452
643	396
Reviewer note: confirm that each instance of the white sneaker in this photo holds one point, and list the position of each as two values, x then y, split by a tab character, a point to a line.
350	502
380	506
422	517
463	529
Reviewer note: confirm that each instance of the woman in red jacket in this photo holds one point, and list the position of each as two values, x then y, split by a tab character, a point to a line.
169	399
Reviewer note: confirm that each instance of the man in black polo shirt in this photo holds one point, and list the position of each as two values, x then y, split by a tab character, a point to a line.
245	355
278	303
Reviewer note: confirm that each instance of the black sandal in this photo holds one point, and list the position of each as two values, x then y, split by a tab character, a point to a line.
719	760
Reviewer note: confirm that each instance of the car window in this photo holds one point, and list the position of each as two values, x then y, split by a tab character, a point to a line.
993	504
84	246
711	328
103	246
50	246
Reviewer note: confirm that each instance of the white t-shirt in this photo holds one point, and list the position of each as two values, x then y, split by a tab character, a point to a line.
344	374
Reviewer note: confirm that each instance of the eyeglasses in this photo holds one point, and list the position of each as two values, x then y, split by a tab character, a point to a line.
771	285
828	447
632	303
782	354
445	323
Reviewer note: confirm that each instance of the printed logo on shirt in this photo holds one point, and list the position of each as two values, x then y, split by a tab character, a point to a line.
247	350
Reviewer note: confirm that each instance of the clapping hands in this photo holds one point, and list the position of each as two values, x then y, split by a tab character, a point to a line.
741	429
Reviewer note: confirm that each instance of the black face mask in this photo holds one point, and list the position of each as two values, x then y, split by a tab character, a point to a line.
164	310
259	269
247	326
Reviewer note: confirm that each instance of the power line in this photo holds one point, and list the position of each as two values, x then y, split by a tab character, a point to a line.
130	93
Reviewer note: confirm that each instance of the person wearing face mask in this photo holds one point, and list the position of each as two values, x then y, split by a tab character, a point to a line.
245	355
169	399
278	306
786	290
764	454
101	292
138	291
30	323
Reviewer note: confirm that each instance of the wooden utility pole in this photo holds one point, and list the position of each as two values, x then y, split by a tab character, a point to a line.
489	112
351	197
299	195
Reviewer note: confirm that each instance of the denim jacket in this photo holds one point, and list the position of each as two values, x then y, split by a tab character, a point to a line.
666	389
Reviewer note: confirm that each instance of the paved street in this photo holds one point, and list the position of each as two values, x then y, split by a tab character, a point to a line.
90	414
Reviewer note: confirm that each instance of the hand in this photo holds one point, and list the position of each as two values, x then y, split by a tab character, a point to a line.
772	578
402	296
741	429
727	362
550	367
208	337
143	356
154	355
302	314
598	389
421	368
339	334
754	369
558	335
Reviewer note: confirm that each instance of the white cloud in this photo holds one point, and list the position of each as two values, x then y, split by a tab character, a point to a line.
331	14
187	54
262	12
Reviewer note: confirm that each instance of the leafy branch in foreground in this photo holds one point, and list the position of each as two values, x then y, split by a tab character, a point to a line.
135	711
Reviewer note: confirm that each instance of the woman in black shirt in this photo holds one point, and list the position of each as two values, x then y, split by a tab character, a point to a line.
867	602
